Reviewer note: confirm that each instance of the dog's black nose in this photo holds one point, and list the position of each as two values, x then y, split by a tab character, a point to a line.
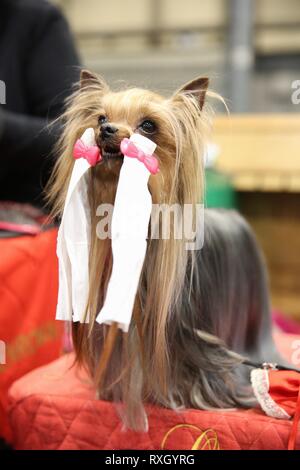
107	131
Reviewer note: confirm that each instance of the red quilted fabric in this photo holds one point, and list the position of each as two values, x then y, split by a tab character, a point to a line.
28	296
54	407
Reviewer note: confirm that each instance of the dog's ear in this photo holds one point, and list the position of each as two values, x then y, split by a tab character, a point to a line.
88	78
197	88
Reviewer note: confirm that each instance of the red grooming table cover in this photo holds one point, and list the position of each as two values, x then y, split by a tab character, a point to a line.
55	407
28	295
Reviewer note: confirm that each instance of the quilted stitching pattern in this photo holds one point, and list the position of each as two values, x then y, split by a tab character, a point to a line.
60	412
28	297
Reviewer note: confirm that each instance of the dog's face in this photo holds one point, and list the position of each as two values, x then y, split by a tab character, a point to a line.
125	113
174	124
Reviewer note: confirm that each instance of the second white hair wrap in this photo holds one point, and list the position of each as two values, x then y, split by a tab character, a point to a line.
129	230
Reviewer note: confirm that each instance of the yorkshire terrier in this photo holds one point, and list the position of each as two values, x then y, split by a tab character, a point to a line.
163	359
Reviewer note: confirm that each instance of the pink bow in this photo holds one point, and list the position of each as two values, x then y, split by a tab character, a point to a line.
129	149
90	152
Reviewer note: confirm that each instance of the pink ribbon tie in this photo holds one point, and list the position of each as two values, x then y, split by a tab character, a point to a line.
129	149
91	153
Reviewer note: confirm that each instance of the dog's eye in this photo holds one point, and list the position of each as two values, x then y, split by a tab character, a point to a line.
102	119
148	126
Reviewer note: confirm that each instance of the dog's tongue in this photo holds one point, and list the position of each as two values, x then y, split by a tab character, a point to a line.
129	230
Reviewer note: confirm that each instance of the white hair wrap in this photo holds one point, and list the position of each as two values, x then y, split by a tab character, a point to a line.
129	230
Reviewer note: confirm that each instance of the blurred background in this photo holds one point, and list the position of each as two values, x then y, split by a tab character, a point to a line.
249	48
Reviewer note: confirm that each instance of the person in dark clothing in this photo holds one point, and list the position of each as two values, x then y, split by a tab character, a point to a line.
38	64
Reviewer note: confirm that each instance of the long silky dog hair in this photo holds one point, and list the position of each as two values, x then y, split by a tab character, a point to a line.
232	288
171	355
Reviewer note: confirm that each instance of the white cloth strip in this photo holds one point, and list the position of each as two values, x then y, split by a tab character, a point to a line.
129	231
73	243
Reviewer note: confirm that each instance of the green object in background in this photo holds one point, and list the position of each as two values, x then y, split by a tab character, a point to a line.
219	190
